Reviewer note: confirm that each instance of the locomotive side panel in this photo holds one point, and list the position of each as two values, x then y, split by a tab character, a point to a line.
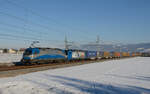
44	54
50	54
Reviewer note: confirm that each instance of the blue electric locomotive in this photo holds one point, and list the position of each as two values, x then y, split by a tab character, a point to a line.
37	55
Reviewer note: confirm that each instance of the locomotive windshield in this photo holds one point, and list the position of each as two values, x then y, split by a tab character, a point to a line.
28	52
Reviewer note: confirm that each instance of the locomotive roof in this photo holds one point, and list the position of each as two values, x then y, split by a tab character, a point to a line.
46	48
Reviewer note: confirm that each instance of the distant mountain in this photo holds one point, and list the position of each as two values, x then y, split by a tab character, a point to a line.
141	47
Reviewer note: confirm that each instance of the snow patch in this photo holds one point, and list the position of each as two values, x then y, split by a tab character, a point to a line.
10	58
127	76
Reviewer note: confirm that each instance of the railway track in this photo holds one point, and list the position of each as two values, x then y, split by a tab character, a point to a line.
9	71
17	67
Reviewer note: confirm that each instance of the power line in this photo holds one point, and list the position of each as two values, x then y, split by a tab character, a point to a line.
43	17
10	35
21	19
24	20
23	33
24	37
29	31
12	32
17	27
12	38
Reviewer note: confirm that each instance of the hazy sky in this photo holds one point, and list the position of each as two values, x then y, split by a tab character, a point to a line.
22	21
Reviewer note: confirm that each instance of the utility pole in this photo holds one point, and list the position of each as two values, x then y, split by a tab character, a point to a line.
98	47
97	42
66	43
98	39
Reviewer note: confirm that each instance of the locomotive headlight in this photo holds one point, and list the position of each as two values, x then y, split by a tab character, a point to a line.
32	56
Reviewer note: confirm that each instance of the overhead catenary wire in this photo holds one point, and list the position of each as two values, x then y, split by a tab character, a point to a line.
43	17
17	33
18	18
28	31
26	42
13	38
31	37
3	33
31	23
26	37
22	19
21	32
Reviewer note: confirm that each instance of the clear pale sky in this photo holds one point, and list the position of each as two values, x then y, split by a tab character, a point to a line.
125	21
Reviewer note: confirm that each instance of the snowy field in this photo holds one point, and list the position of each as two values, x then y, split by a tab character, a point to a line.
9	58
126	76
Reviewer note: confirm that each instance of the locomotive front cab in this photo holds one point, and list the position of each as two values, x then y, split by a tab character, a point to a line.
29	54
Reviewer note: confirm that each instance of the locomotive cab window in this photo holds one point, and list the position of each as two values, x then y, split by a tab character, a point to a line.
28	52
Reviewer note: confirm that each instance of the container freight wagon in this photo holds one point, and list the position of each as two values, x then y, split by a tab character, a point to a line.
105	54
76	55
124	54
146	54
138	54
128	54
39	55
91	54
133	54
116	54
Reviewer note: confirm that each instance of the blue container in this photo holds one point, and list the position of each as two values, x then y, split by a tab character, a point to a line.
91	54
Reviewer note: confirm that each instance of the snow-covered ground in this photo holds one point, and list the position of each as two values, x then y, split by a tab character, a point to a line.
9	58
126	76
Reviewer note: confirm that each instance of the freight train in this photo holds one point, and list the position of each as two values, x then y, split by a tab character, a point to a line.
41	55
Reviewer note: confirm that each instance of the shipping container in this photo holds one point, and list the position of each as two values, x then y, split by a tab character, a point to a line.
117	54
138	54
106	54
146	54
133	54
91	54
128	54
124	54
